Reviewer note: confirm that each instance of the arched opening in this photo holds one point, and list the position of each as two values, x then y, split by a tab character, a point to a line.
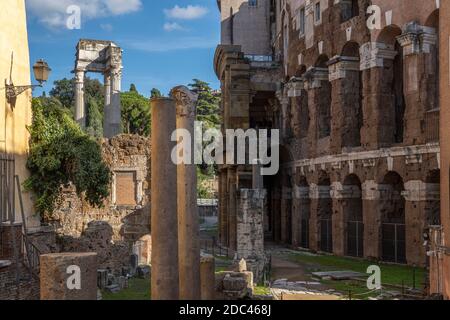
305	208
432	81
433	203
349	9
323	101
353	215
393	219
325	213
393	82
353	99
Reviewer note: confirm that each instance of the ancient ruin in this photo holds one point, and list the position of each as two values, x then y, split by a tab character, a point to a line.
358	114
100	57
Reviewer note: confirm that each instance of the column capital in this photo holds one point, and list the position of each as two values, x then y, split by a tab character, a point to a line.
373	54
295	87
314	76
185	100
339	65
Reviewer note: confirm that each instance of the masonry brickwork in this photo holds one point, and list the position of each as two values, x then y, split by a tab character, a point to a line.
358	115
122	226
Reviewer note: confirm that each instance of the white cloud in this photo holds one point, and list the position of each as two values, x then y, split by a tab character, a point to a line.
186	13
53	13
172	26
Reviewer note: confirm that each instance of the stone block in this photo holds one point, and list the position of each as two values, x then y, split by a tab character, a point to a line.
60	273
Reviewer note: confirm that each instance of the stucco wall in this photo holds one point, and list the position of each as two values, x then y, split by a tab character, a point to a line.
14	119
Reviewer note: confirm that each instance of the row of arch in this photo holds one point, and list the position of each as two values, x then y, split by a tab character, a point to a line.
318	217
393	86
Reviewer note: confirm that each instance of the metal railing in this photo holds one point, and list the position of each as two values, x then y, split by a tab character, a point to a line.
432	125
7	199
32	254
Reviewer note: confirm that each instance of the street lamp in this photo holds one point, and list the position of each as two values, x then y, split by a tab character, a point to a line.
41	72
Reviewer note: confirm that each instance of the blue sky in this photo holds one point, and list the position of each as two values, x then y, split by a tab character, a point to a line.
165	42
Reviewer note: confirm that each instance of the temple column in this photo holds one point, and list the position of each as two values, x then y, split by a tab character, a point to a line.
188	220
80	109
164	224
232	210
112	125
107	83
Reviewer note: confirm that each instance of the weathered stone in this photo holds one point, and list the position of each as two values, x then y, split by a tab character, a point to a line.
207	277
165	268
59	272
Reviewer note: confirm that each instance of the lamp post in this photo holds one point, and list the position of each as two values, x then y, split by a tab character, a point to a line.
41	72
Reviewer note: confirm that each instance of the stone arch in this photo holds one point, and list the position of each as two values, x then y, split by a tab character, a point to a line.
393	218
353	216
325	213
393	85
433	203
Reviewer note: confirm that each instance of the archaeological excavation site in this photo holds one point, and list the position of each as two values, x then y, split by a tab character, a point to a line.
241	154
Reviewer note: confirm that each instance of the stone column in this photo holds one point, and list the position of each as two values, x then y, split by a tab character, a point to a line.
377	61
164	224
347	122
112	124
107	83
188	220
208	278
68	276
257	178
232	209
372	219
80	110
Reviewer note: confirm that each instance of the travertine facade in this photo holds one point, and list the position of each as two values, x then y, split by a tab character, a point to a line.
358	114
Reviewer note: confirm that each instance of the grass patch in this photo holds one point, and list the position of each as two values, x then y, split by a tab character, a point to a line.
138	289
261	291
390	274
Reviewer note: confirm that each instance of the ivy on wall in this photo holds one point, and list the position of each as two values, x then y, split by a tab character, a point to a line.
61	154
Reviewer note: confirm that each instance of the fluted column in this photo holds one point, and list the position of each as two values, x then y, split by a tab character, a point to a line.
112	125
164	224
80	111
188	221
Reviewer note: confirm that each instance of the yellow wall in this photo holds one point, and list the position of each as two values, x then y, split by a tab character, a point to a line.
444	28
13	133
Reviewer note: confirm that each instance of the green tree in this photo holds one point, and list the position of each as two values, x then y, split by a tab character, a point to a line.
208	112
63	90
135	113
155	93
61	154
94	121
133	88
208	106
